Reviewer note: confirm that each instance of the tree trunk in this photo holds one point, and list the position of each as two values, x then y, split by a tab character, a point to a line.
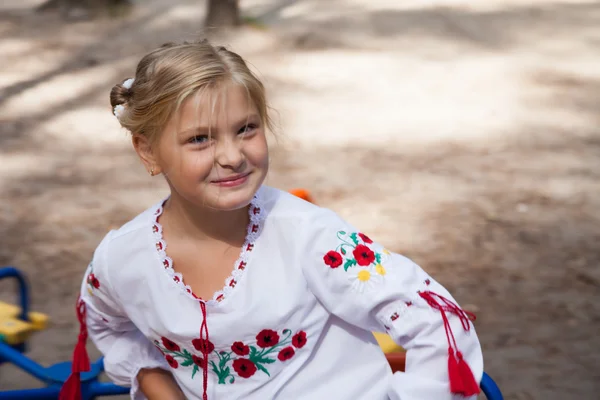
222	14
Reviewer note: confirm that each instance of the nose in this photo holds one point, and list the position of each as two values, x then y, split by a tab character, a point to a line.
229	154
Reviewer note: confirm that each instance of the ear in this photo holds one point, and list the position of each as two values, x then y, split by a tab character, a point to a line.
143	147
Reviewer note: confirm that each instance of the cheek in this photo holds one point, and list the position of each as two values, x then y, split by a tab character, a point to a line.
258	152
195	163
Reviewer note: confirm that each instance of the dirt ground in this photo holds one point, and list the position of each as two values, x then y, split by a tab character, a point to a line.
464	134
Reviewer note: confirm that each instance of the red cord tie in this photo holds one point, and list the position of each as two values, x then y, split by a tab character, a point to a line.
460	375
71	389
204	339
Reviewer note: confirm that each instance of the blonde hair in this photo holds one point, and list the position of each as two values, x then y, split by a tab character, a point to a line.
165	77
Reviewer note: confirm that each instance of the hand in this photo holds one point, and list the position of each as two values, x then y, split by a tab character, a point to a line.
158	384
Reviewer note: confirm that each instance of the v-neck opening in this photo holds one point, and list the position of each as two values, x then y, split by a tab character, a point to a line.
253	230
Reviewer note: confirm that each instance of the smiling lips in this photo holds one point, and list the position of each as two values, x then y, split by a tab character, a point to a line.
232	181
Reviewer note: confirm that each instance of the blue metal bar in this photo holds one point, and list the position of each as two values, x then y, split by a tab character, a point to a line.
11	272
89	391
490	389
47	393
107	389
11	355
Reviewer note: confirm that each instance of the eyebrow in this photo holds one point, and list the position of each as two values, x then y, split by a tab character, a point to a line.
202	130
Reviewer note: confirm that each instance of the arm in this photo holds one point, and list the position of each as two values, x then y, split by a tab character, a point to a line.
130	359
158	384
374	289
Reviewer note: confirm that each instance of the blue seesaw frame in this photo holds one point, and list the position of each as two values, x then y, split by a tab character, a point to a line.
54	376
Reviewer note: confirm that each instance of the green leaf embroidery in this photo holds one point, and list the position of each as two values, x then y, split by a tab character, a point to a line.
194	370
351	262
253	352
354	238
378	258
187	362
343	251
263	369
223	361
264	361
226	373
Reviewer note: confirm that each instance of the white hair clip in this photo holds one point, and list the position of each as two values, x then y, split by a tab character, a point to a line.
128	83
120	108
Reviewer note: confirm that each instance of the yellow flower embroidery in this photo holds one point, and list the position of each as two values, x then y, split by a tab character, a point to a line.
363	275
380	269
364	279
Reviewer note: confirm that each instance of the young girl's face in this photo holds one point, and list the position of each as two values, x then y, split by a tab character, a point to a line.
213	152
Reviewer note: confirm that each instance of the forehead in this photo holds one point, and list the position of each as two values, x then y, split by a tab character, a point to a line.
224	104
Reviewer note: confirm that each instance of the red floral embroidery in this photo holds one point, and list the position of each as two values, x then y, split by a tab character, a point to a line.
394	316
197	360
363	255
170	345
242	265
352	250
172	361
333	259
244	367
232	283
203	346
299	339
365	238
409	303
93	281
241	359
249	247
254	228
286	353
240	349
267	338
220	297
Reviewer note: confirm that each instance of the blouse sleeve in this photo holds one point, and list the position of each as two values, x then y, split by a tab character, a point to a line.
126	350
372	288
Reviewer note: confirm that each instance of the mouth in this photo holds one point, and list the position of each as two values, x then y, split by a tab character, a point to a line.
234	180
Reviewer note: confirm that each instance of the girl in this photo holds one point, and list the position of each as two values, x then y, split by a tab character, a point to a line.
229	289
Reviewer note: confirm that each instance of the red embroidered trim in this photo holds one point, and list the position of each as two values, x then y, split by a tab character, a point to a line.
253	231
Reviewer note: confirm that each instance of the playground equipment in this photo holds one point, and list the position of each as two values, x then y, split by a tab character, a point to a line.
18	323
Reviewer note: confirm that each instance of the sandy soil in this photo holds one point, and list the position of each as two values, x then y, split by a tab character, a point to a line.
463	134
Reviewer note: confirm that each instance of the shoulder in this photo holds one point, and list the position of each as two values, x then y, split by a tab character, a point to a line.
121	248
286	210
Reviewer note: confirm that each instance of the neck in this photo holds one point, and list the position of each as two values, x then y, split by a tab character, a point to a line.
189	220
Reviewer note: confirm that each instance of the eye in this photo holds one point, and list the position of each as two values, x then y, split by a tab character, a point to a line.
200	139
249	128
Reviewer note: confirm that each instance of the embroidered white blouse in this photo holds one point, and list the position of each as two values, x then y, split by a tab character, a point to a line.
293	321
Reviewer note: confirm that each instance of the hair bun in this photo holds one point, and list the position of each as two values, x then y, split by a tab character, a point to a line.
120	94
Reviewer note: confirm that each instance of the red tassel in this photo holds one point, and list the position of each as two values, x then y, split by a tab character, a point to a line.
470	386
456	382
71	389
460	375
81	360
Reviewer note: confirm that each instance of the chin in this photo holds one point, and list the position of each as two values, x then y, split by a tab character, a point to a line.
226	200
